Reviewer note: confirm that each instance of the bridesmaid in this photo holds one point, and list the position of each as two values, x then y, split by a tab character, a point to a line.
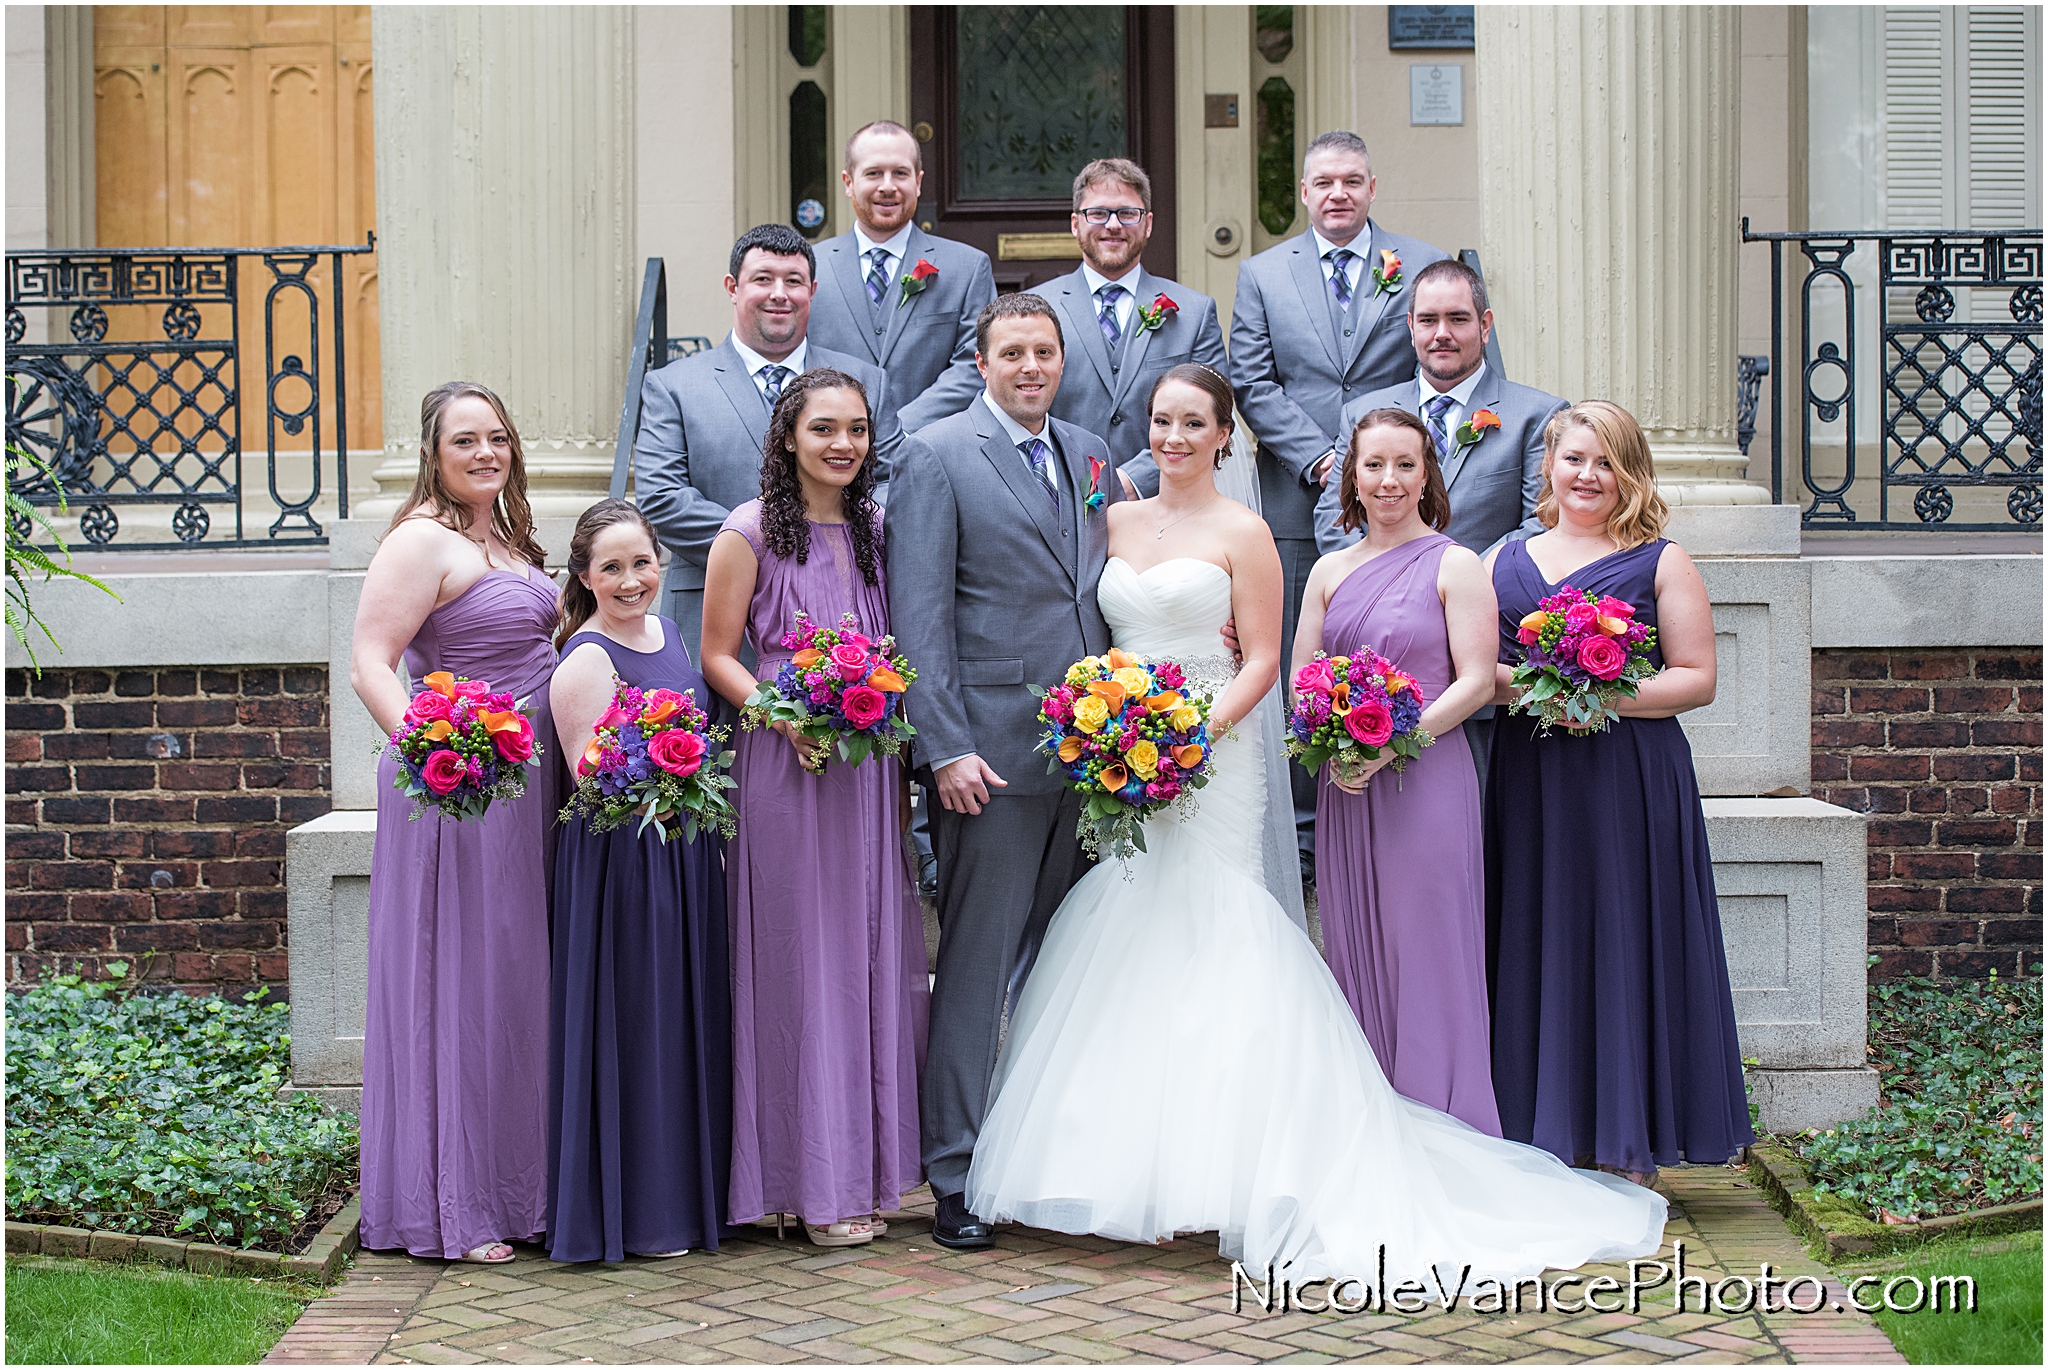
1613	1026
1402	869
640	1098
454	1108
830	998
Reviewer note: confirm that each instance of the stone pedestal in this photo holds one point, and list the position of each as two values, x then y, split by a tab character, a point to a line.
505	230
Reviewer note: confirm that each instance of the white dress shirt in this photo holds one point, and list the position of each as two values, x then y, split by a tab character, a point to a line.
756	363
1354	270
896	245
1461	401
1125	303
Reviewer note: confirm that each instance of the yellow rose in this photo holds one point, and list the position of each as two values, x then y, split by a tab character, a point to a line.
1144	759
1090	713
1083	671
1135	680
1185	717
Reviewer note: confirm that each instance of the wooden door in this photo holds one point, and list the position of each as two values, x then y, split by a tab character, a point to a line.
247	126
1010	101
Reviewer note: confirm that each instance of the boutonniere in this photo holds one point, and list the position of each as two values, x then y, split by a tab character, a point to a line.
1482	422
915	281
1386	277
1155	315
1096	499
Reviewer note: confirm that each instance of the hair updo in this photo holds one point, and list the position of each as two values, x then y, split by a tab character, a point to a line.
1211	383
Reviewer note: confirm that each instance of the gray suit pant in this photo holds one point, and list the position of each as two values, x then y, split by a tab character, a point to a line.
1297	559
1002	873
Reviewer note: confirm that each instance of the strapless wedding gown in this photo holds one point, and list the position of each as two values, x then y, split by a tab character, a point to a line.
1181	1060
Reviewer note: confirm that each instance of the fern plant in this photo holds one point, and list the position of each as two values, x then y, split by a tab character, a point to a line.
25	559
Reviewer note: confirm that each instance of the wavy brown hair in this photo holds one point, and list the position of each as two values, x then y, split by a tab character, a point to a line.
511	514
1641	513
1435	504
784	524
577	604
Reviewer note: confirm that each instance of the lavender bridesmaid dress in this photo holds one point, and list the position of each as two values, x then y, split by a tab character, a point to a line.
455	1047
830	999
1401	868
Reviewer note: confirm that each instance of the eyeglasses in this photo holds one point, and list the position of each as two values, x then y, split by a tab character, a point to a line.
1127	215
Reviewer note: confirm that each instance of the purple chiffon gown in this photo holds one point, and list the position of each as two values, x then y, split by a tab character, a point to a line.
640	1100
1613	1024
830	999
1400	873
455	1044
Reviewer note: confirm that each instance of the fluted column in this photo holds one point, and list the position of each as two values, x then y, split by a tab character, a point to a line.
1609	138
505	212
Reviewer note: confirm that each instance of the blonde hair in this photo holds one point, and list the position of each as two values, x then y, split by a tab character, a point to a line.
1641	514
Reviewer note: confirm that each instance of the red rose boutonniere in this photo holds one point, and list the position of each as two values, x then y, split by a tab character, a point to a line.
1156	314
915	281
1096	499
1386	277
1482	422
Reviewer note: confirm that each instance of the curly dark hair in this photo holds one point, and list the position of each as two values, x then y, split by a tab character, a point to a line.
784	525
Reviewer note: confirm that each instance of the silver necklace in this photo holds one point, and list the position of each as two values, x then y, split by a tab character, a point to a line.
1189	514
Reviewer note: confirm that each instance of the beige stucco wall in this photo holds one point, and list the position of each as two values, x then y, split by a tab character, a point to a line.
684	151
1428	176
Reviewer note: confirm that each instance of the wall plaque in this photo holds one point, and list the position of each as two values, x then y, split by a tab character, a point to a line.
1429	26
1436	93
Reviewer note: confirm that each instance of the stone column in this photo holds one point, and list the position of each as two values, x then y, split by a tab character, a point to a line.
1609	138
505	230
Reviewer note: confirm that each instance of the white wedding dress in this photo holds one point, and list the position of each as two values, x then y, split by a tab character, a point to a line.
1181	1060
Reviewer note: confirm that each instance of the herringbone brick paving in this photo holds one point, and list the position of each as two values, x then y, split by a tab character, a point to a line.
1041	1296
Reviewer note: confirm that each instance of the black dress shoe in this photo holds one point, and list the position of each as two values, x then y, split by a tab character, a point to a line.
928	877
954	1228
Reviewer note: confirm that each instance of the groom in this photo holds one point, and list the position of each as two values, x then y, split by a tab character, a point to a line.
995	542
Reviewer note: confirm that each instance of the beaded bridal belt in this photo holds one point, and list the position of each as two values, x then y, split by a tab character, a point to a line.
1207	674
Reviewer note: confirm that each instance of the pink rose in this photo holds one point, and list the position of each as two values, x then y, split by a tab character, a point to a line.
1317	677
471	689
1370	723
678	753
860	640
863	705
443	772
1602	657
1580	617
426	706
516	744
850	661
618	716
1615	608
1527	636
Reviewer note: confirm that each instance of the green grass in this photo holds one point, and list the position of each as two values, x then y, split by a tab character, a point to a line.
62	1312
2005	1329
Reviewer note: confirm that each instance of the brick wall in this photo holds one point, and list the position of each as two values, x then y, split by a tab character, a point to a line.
146	813
1942	748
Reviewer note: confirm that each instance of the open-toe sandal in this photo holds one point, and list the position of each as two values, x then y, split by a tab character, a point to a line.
481	1255
840	1233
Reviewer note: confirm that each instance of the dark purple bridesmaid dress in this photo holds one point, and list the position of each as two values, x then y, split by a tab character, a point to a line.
640	1120
1400	876
1613	1025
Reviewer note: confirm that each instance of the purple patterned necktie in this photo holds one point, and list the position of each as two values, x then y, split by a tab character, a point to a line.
1339	259
878	273
1439	407
1040	456
1111	331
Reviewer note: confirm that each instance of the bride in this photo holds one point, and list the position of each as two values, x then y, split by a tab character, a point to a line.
1181	1060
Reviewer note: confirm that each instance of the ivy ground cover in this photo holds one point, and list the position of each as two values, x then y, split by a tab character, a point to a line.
159	1114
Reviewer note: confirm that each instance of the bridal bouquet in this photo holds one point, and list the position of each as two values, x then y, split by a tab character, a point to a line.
1580	653
1347	708
654	754
1130	738
841	687
461	746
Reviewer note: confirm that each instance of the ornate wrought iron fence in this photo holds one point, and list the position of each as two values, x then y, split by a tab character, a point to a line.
651	349
1958	369
157	421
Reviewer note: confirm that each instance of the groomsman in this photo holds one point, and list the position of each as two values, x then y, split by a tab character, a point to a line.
893	294
1493	474
1108	307
704	418
1317	321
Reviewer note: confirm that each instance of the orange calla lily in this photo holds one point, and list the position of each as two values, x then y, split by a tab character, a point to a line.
506	722
1188	756
1396	682
1340	698
655	712
1110	693
440	682
1612	626
1118	659
593	753
1115	777
1163	703
439	730
1070	749
888	680
807	658
1534	621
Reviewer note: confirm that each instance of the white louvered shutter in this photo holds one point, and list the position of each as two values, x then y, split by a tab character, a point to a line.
1919	187
2003	123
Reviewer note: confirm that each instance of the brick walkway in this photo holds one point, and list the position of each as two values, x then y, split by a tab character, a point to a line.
1037	1296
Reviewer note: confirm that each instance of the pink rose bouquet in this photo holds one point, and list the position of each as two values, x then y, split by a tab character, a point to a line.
841	687
1580	653
654	754
460	746
1130	738
1348	708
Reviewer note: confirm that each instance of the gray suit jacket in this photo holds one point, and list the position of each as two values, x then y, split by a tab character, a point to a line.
1110	401
703	424
1294	370
1493	484
926	343
991	589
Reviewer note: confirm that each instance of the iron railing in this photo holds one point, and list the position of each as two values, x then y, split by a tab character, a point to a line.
152	421
1958	368
650	349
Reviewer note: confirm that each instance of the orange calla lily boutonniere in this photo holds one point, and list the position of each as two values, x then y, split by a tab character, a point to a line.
1481	422
1386	277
